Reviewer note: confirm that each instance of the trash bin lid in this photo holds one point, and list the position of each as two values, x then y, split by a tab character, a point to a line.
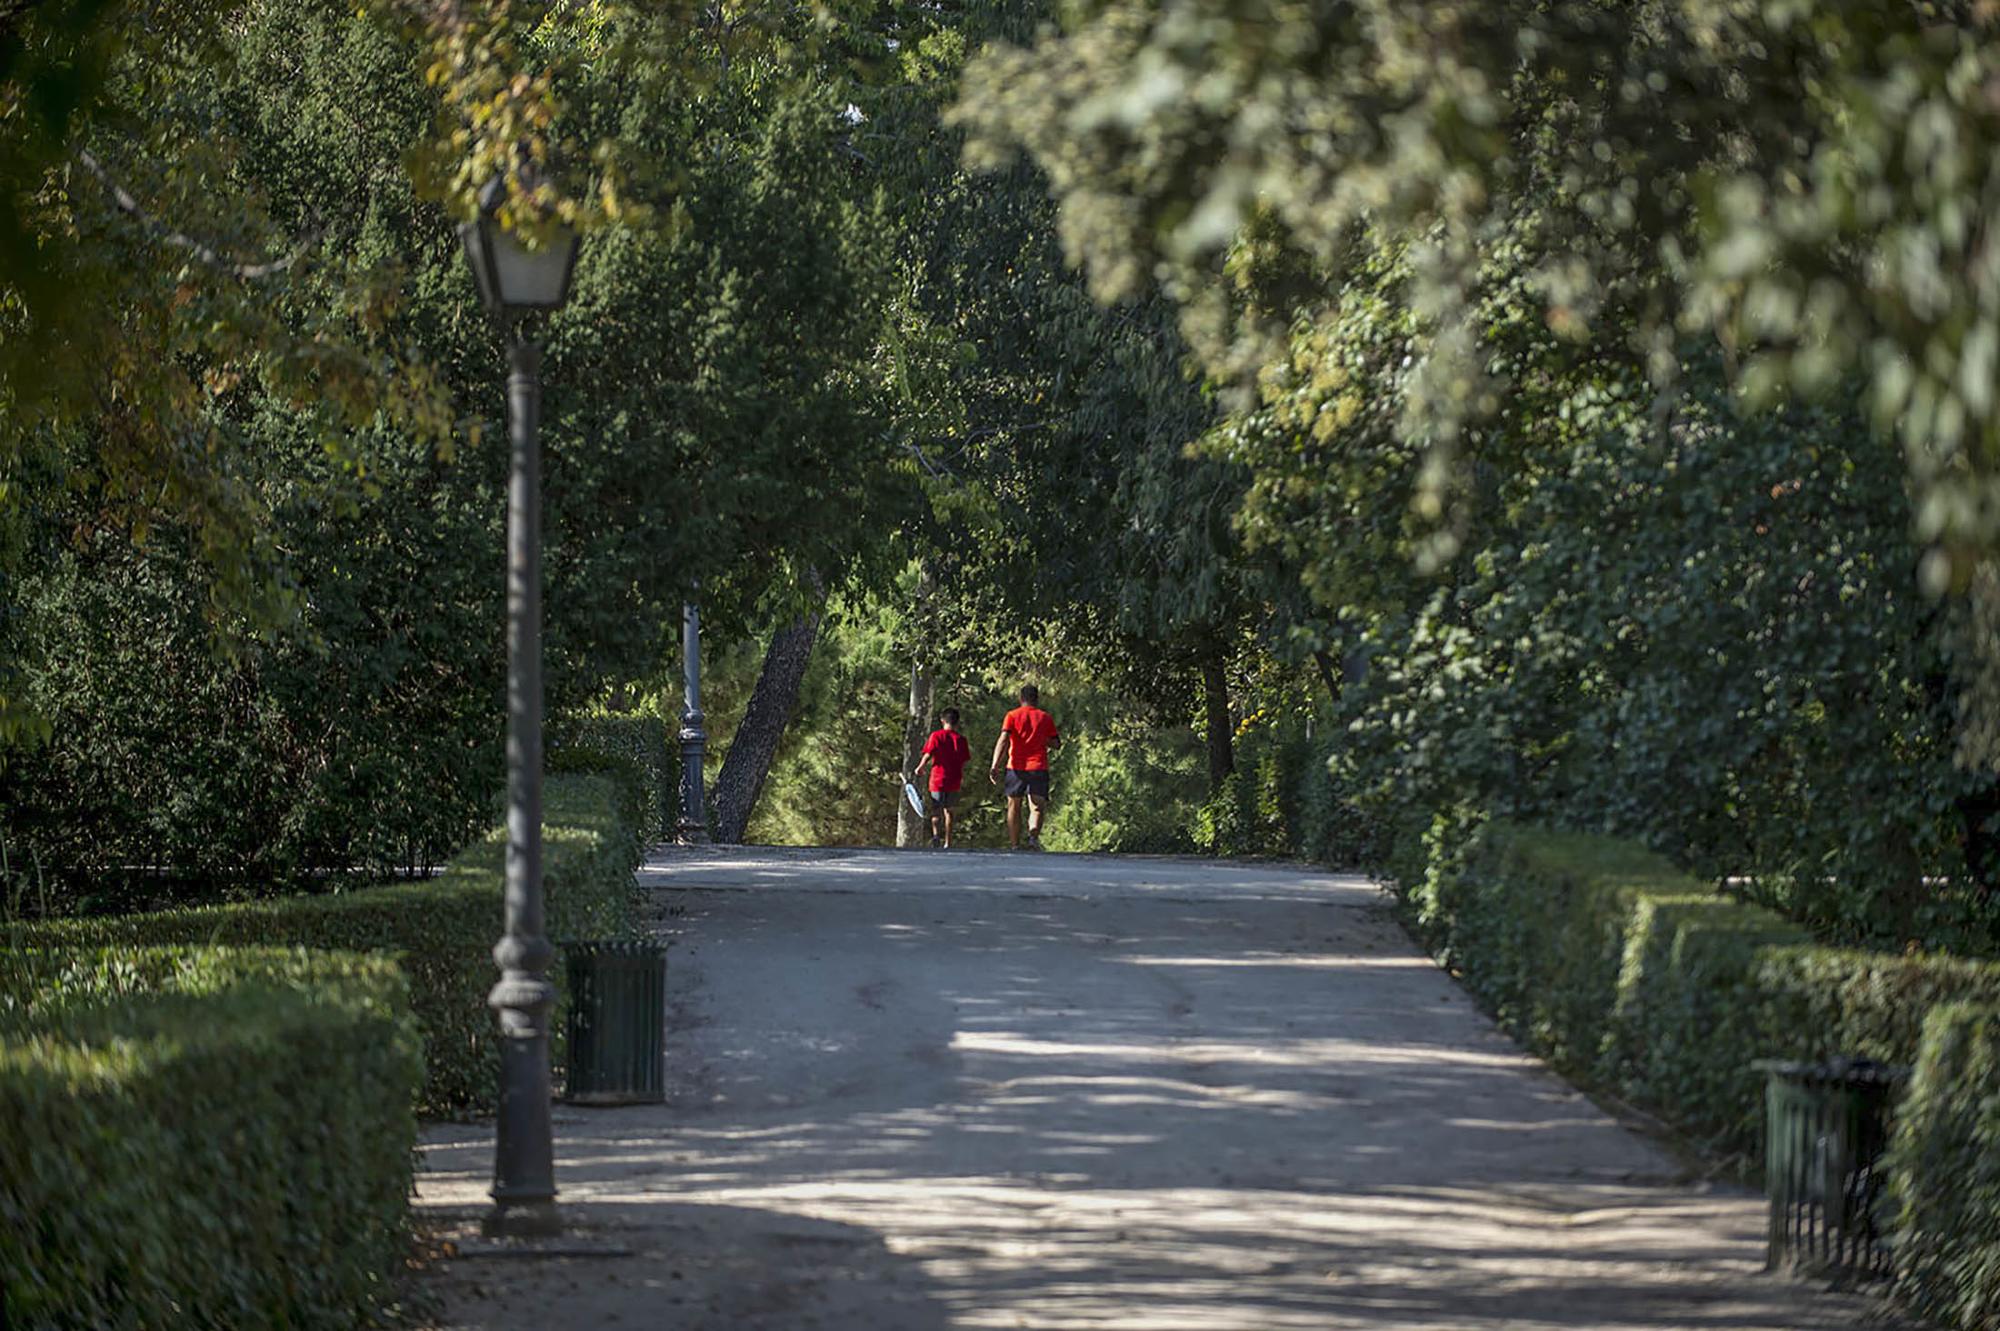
1846	1070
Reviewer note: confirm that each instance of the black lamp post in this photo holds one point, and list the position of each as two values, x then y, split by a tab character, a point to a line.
517	283
693	826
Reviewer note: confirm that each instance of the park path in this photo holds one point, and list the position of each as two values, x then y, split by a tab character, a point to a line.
920	1090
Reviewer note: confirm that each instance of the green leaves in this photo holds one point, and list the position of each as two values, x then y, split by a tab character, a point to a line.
255	1103
1807	191
441	929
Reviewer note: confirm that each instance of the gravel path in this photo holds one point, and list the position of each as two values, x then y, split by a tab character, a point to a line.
922	1090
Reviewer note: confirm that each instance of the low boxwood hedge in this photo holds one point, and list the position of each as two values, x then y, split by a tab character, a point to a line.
1944	1170
205	1139
1630	974
442	929
641	741
1637	978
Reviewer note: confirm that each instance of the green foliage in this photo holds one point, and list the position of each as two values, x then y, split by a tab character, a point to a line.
1291	796
1246	816
211	1138
1129	788
1245	157
1944	1171
1629	974
441	930
705	418
640	746
1674	621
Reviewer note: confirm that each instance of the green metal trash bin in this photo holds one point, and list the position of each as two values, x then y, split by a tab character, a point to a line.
1826	1128
616	1030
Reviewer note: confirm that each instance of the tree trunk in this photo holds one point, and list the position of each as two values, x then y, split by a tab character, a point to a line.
912	829
1327	674
1215	698
755	744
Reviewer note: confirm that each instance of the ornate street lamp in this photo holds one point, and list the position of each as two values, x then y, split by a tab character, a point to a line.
515	283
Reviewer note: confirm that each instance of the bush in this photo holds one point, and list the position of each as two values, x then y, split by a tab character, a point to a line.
1246	816
1944	1171
640	740
442	930
1291	796
1632	975
1126	790
211	1139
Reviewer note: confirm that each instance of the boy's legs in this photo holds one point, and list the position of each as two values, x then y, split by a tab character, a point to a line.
947	827
1038	806
1014	821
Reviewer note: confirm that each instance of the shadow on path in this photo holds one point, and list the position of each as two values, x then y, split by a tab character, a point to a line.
1143	1106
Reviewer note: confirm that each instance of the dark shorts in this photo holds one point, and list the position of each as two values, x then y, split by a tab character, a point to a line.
1021	783
943	799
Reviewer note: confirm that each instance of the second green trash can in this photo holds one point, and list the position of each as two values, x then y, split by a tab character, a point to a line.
617	1022
1827	1126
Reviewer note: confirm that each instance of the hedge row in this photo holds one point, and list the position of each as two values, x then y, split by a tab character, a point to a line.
1629	973
1944	1171
644	744
442	929
213	1138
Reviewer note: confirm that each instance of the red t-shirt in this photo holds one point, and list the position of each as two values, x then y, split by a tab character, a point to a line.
1030	731
949	754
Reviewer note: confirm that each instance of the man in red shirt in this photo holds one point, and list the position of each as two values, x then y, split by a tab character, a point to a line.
1026	737
946	753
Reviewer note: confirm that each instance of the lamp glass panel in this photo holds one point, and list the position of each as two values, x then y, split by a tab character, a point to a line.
479	258
531	279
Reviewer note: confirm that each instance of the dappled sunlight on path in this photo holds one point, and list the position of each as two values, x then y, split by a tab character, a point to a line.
1109	1094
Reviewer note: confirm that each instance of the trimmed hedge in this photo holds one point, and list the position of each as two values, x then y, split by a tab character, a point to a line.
215	1139
442	930
644	744
1632	975
1944	1171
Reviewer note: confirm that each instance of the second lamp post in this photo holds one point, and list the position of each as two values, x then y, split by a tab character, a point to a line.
517	283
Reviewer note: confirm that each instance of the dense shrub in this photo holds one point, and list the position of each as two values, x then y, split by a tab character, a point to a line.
1246	815
1695	630
442	930
1291	795
1627	972
1944	1171
1127	789
638	739
210	1139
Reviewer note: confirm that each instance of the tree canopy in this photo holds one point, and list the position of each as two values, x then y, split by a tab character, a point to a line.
1571	411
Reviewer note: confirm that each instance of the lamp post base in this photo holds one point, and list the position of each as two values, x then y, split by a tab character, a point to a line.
522	1220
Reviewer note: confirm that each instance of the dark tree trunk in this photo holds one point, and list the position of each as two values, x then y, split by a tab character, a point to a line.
1328	675
911	828
1221	733
755	744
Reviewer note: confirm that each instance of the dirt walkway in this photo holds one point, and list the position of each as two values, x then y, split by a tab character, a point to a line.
924	1091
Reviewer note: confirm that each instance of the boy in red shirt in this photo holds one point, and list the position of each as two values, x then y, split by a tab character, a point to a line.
946	753
1026	737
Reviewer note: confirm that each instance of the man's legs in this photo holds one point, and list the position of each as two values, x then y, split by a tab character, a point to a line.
1037	809
1014	822
947	827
